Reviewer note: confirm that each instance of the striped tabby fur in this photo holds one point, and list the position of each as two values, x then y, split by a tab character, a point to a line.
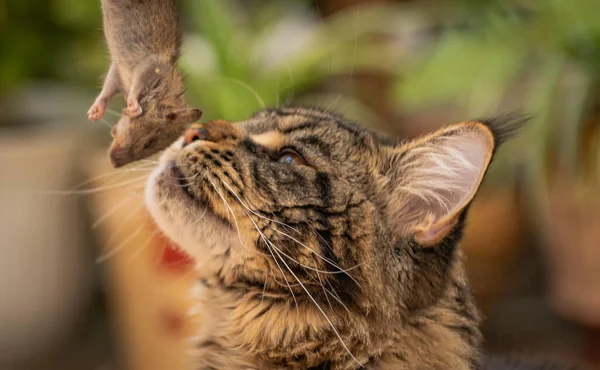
321	245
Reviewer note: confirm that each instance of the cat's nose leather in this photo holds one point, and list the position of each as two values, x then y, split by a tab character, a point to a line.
214	131
194	133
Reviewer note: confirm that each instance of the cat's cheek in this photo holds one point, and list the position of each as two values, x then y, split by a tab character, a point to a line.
157	205
191	228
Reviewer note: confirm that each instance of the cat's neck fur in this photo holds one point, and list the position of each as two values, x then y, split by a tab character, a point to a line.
244	331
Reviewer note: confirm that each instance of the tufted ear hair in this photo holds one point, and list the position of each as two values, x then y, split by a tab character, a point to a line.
434	178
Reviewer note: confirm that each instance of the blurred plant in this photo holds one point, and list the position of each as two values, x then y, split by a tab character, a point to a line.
240	56
44	40
487	58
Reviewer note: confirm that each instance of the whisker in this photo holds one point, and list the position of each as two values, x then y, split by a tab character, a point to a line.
312	268
93	190
322	312
325	291
116	173
247	87
335	295
297	241
262	299
278	90
205	207
202	215
103	120
120	246
263	237
113	112
333	103
144	245
123	223
230	211
234	218
340	270
277	252
292	82
110	212
355	16
252	211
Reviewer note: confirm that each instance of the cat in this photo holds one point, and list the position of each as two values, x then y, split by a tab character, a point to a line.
322	245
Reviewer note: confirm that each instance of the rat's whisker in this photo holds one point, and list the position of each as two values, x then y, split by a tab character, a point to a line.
103	120
113	112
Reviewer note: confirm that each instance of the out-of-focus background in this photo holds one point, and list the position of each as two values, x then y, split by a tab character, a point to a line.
87	282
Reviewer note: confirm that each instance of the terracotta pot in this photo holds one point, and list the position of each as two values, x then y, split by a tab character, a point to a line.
493	235
573	253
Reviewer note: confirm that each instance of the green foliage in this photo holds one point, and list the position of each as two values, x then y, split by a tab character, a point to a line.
548	49
236	63
49	40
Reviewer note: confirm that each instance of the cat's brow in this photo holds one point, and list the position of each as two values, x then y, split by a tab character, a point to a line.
271	139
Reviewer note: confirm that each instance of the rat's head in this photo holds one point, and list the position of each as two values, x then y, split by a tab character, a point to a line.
298	205
135	138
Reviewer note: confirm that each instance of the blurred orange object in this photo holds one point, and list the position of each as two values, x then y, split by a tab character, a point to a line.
573	253
492	248
147	277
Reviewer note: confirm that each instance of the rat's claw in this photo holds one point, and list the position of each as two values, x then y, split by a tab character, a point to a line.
133	109
96	111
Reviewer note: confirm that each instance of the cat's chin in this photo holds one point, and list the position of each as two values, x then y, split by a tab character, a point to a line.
186	221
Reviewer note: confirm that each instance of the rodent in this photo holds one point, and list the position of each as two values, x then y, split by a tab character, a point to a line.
143	38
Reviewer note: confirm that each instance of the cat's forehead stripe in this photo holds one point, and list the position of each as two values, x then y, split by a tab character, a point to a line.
288	124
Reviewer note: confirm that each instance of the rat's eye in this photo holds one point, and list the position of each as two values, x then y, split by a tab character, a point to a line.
149	143
290	157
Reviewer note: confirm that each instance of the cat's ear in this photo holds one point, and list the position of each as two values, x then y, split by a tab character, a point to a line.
184	115
434	178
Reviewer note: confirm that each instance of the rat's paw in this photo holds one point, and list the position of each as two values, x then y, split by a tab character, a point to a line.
96	111
133	108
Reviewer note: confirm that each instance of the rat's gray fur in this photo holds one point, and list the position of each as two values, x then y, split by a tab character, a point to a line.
144	39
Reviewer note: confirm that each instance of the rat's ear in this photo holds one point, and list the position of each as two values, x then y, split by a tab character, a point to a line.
184	115
434	178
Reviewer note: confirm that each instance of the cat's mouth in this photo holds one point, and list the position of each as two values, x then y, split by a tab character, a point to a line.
182	181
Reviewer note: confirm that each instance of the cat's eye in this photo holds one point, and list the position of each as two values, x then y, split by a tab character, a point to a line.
290	157
149	143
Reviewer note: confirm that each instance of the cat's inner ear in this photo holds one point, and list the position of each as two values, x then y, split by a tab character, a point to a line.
432	180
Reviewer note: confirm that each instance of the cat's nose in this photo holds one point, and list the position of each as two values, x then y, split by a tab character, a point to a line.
194	133
215	131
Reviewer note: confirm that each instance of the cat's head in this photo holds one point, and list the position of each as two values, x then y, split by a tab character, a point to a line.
299	206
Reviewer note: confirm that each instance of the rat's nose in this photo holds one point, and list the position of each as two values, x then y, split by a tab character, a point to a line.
214	131
120	156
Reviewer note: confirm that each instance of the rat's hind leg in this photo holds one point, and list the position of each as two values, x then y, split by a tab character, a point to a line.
110	89
145	76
